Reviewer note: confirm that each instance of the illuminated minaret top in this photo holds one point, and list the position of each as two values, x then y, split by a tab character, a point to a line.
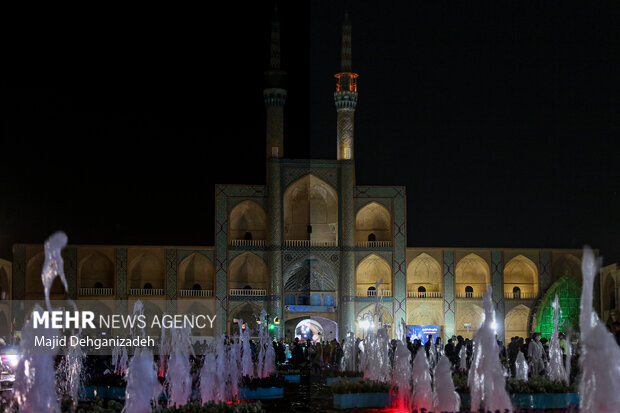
275	94
345	95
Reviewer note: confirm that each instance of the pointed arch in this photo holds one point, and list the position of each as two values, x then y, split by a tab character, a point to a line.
425	314
96	268
371	270
520	272
195	269
248	270
247	217
468	320
568	290
381	317
310	210
5	286
34	266
472	271
424	271
248	312
516	323
310	274
373	220
145	269
566	265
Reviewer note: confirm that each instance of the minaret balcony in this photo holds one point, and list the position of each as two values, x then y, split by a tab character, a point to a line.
469	294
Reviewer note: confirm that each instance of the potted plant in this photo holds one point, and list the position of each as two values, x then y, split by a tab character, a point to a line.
271	387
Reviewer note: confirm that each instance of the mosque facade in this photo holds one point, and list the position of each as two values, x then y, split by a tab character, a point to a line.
317	251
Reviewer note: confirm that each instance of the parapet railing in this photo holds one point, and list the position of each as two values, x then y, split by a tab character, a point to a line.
195	293
373	244
96	291
520	296
429	294
308	243
246	292
373	293
246	242
476	294
146	291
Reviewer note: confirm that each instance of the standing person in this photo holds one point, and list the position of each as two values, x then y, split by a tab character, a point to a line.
449	350
535	355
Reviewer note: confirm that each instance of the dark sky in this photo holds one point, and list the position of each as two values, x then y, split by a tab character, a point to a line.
501	120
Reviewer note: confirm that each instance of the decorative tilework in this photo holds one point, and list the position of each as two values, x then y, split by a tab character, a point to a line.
449	306
326	172
544	270
121	273
497	280
18	283
70	261
171	274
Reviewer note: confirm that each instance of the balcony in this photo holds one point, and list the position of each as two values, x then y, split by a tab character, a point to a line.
96	291
308	243
520	296
373	244
246	242
146	291
246	292
195	293
476	294
373	293
430	294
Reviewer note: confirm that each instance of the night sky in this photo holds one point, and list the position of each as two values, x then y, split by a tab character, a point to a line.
501	120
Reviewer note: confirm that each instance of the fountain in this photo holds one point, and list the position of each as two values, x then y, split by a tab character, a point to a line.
422	397
445	397
247	365
556	371
599	386
143	388
401	374
349	358
178	374
521	367
487	383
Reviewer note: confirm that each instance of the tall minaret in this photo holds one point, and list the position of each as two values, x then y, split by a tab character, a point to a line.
346	98
345	95
275	95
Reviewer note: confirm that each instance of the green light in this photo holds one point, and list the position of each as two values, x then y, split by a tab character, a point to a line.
271	326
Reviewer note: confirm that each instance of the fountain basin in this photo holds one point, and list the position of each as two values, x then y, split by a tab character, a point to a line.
544	400
292	378
261	393
363	400
330	381
534	400
104	392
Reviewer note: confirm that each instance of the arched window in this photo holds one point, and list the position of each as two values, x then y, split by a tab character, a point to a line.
247	236
421	292
289	299
98	285
516	292
469	291
196	287
148	286
372	237
372	291
247	287
303	299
